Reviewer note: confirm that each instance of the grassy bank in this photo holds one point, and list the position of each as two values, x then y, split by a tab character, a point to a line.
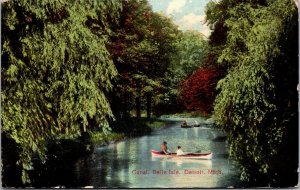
65	148
99	138
127	128
191	114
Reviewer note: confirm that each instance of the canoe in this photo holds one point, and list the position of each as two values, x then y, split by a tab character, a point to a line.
188	155
186	126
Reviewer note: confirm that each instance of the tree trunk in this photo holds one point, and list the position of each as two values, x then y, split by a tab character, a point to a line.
148	97
138	107
82	129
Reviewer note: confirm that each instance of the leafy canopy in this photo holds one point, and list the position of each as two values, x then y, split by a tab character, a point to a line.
255	92
56	70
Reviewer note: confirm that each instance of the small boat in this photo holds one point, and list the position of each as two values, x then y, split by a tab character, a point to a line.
188	155
186	126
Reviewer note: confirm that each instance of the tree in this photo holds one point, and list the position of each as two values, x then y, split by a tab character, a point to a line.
190	53
256	105
56	71
198	92
131	52
141	48
217	13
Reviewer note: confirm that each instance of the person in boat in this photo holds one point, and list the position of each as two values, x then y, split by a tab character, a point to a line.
184	123
164	148
196	123
179	151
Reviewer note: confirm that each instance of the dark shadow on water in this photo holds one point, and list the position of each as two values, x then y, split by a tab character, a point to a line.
220	139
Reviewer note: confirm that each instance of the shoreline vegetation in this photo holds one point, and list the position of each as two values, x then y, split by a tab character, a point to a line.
63	151
128	128
125	129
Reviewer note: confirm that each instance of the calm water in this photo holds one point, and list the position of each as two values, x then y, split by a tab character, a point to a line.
118	165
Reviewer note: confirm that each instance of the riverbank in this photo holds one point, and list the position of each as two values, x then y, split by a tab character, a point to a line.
190	114
64	152
121	130
127	128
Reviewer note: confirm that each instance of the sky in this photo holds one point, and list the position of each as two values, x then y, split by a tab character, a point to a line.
187	14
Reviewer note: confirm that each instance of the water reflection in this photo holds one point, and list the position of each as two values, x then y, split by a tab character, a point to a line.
184	162
130	163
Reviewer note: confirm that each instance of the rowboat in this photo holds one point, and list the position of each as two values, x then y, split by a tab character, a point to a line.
186	126
188	155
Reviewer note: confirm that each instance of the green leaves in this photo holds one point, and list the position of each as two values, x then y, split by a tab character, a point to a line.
57	71
191	51
250	101
143	43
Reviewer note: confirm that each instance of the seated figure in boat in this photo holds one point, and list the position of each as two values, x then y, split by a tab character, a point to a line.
179	151
184	124
164	148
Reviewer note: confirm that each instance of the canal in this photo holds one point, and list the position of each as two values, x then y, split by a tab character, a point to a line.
129	164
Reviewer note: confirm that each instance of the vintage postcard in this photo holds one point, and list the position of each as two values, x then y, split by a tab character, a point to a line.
149	94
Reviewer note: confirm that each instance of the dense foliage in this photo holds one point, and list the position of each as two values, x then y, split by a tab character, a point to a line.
142	46
191	49
56	71
198	92
60	62
257	103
